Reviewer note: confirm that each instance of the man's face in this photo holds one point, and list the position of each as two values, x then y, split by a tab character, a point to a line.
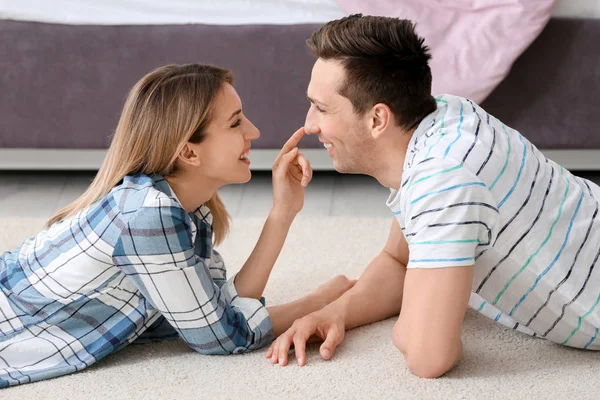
345	134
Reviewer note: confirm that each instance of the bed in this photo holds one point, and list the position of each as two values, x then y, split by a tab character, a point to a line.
65	68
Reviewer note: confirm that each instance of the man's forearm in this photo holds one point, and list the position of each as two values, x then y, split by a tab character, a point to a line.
376	296
252	278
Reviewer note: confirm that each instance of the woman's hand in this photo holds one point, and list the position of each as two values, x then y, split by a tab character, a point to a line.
291	174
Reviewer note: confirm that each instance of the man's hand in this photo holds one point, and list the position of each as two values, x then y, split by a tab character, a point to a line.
326	324
376	296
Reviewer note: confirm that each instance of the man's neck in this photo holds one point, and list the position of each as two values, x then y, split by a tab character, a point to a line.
391	159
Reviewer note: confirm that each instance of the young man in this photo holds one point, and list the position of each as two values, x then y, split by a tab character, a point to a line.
481	217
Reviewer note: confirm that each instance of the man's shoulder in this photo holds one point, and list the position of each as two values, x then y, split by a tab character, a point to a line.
451	108
440	177
458	129
436	166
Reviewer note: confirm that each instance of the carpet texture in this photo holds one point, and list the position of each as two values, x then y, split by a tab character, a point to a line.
497	364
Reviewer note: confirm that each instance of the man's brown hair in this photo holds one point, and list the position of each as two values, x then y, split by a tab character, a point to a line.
385	62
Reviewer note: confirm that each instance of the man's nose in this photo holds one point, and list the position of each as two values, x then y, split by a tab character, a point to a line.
310	124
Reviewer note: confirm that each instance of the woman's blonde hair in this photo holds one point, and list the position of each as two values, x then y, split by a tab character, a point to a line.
168	107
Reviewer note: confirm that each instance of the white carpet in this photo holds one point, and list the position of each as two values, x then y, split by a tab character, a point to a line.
498	363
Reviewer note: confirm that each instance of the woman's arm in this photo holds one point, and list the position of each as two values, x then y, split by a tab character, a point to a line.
253	276
291	174
156	252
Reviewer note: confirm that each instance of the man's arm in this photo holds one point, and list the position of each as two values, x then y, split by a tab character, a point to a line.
448	219
433	308
431	303
376	296
451	216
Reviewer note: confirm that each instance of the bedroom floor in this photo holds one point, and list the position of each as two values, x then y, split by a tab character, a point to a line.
41	194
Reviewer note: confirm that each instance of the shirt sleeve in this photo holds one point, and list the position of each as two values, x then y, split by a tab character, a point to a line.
216	265
450	215
156	251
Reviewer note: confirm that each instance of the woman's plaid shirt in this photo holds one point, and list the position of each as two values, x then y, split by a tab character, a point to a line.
134	266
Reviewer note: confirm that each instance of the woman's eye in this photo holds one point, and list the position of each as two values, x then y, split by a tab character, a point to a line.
319	109
237	123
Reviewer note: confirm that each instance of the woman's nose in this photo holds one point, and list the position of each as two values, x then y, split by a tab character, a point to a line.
252	133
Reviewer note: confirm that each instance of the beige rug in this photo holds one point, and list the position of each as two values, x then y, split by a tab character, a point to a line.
498	363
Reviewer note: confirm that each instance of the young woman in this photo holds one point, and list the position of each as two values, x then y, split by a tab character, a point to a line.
133	259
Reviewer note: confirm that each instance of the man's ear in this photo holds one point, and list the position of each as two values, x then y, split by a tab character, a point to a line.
189	154
381	119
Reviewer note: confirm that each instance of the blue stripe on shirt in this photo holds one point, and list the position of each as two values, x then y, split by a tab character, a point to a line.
518	175
458	130
447	189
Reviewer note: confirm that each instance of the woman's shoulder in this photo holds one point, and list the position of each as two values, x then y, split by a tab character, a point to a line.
146	195
152	218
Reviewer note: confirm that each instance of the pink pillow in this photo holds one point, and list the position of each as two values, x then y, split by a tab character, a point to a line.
473	42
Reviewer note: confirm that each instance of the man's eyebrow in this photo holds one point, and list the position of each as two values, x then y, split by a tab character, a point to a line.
235	113
314	100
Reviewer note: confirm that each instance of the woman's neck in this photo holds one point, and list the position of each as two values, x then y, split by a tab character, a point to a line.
191	192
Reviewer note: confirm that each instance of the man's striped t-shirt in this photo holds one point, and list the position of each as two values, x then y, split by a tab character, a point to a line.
476	192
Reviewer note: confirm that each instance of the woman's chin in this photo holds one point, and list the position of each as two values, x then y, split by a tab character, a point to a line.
241	177
247	177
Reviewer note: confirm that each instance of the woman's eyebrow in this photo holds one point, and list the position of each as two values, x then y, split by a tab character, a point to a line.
234	114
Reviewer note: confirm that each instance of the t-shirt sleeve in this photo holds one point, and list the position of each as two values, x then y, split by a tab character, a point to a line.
450	216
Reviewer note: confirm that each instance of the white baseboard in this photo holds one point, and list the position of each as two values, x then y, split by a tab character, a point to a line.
91	159
74	160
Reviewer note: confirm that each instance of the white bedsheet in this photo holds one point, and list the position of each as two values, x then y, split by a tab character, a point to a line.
151	12
223	12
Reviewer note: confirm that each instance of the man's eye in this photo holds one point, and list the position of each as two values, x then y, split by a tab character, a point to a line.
237	123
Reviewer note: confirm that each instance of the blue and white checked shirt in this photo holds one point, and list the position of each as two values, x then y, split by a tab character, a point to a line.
134	266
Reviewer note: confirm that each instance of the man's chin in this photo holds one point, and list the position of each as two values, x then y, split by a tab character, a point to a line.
345	167
336	165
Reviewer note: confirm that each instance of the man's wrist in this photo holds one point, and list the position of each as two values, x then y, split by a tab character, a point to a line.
339	307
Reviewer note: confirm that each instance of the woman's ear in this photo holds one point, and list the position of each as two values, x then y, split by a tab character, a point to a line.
381	118
190	154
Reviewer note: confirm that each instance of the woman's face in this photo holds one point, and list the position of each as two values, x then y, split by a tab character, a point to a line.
225	149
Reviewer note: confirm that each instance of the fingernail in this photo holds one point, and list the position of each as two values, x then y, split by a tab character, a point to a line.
300	361
326	353
280	360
